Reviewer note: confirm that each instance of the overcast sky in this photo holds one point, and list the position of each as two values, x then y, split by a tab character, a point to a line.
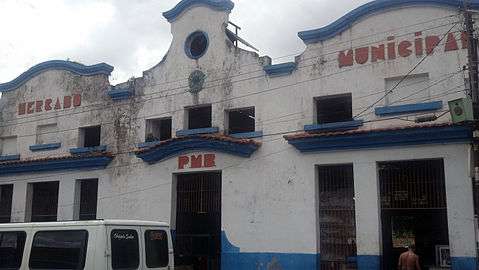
133	36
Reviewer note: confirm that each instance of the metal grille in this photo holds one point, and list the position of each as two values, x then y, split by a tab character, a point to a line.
412	185
198	221
337	217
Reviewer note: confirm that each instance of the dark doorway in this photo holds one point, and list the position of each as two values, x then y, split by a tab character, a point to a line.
88	199
337	217
413	210
198	221
6	195
44	201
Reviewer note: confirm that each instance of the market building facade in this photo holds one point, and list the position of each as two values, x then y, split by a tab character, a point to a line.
337	160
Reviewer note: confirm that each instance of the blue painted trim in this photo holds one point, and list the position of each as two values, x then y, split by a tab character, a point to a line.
463	263
334	126
226	245
73	67
408	108
345	22
368	262
248	135
9	158
190	132
266	261
55	165
148	144
219	5
233	259
175	147
45	147
87	150
189	39
382	139
120	93
280	69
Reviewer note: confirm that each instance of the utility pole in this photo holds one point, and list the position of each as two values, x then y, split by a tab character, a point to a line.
473	83
472	59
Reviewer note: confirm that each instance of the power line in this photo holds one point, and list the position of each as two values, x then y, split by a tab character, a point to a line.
404	77
106	107
241	74
302	112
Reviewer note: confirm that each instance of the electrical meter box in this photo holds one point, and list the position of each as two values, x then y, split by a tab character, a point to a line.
461	110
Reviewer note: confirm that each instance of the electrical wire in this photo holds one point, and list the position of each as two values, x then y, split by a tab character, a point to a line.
404	77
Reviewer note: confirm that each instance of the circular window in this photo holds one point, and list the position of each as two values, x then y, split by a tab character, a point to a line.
196	44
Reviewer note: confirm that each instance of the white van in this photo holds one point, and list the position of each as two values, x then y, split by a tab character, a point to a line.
98	244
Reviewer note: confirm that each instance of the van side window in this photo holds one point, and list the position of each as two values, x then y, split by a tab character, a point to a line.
125	250
59	250
11	249
156	246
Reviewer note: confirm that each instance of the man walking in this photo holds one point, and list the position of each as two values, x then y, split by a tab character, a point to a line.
409	260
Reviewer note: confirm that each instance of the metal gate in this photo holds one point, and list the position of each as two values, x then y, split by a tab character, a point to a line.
198	221
337	217
413	209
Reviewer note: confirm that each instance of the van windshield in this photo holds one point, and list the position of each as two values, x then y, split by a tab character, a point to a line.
11	249
59	250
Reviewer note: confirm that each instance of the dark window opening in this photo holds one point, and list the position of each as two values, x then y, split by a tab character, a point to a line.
11	249
156	247
44	202
242	120
91	136
199	117
59	250
158	130
196	44
333	109
337	217
125	252
88	199
6	194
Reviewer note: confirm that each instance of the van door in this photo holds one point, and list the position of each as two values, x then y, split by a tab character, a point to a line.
158	248
124	251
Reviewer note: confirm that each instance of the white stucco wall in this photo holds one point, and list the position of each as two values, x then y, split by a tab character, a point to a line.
268	200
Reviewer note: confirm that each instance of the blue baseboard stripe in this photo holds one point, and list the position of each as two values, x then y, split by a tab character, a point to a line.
369	262
463	263
283	261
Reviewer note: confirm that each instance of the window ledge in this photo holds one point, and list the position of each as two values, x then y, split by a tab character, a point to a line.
408	108
280	69
86	150
189	132
9	157
247	135
148	144
334	126
45	147
120	94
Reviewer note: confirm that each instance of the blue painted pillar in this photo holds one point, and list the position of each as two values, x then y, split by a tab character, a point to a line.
368	228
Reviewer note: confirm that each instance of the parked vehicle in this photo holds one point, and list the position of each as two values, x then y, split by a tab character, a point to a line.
98	244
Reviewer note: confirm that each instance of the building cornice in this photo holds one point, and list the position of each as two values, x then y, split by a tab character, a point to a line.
345	22
73	67
381	138
219	5
218	143
88	161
